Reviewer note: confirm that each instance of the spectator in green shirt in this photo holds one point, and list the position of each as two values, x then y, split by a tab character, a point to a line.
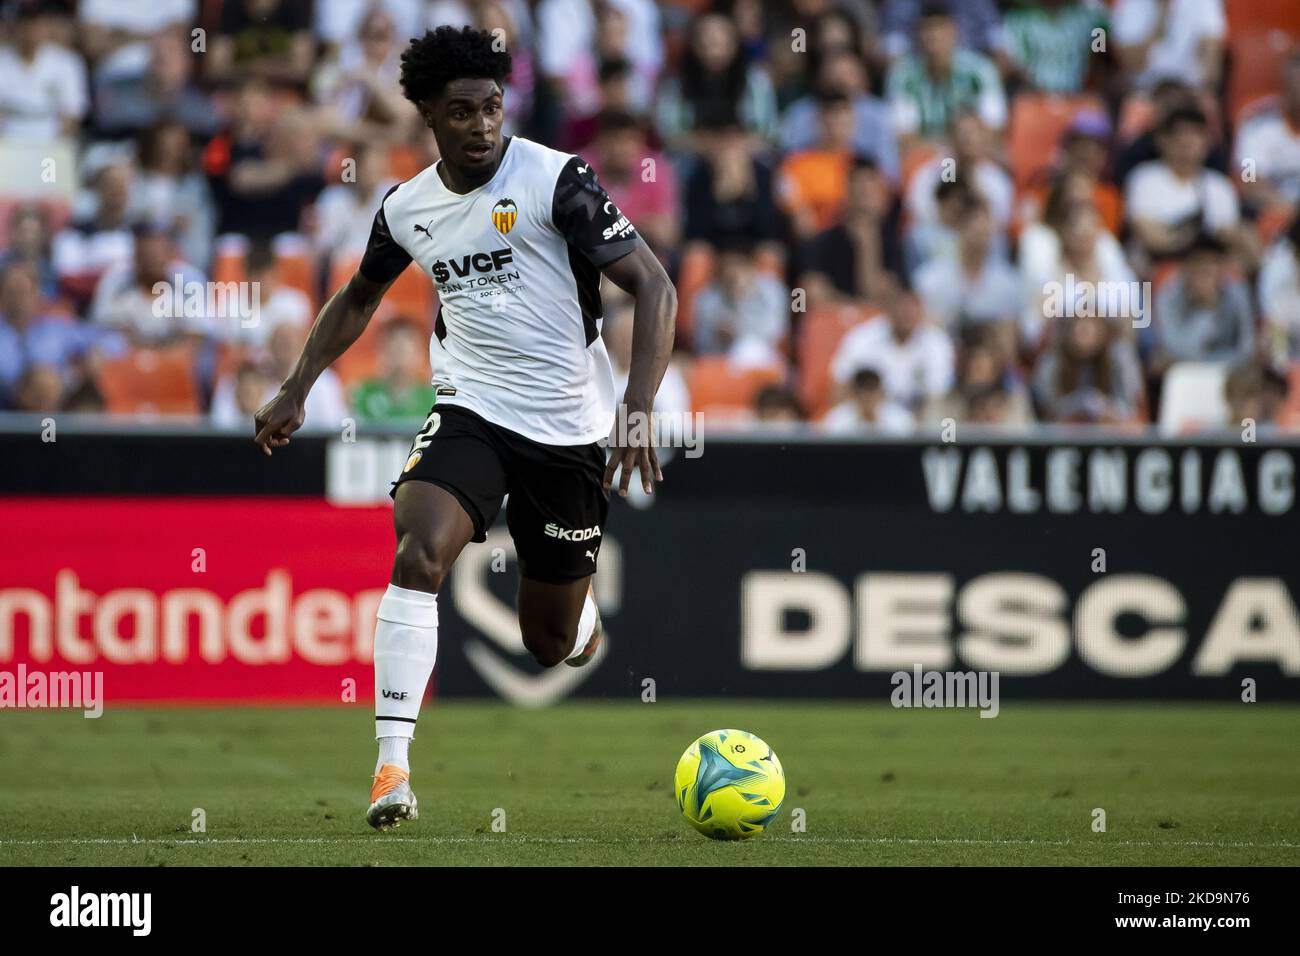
1051	43
401	390
925	89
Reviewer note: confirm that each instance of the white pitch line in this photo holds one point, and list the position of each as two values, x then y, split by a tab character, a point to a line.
507	839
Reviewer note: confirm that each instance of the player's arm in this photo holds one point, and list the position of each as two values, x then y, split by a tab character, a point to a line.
654	317
340	323
588	219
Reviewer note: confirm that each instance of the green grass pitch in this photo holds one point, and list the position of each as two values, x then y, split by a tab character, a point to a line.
591	783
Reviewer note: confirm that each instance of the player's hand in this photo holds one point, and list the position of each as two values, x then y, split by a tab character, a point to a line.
634	450
278	419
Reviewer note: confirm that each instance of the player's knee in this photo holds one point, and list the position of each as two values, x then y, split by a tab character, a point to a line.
418	565
548	644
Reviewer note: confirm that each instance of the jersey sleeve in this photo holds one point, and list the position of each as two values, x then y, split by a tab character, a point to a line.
587	218
384	259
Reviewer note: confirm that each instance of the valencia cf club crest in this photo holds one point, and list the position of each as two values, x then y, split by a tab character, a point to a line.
504	215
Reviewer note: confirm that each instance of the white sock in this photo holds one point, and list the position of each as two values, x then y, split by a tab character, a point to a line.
394	750
586	626
406	646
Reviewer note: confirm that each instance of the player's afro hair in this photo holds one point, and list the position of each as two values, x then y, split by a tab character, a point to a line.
446	54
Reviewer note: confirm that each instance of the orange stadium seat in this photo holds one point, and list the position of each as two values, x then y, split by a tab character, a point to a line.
1255	70
228	265
412	295
1261	14
151	381
1289	415
819	338
695	273
1037	123
294	269
911	162
361	360
722	392
404	161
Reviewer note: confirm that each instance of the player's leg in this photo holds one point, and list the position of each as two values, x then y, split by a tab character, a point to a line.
450	489
559	621
556	515
432	528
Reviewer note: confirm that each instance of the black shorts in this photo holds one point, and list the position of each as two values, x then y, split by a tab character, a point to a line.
558	505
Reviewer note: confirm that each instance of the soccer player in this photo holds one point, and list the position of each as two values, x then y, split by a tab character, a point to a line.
515	237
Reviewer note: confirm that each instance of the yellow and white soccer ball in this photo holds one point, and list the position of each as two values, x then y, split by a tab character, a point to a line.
730	785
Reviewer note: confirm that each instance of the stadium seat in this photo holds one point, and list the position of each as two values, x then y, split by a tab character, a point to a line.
1255	69
404	161
411	295
1193	397
1244	15
151	381
1288	417
911	162
695	273
819	338
1034	133
228	265
361	360
294	269
1137	114
724	393
57	213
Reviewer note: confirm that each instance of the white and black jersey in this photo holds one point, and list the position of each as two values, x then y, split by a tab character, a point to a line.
516	263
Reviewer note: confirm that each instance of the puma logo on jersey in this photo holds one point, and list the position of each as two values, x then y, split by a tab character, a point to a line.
424	229
572	534
473	262
592	555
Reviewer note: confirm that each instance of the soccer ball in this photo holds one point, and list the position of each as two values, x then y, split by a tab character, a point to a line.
730	785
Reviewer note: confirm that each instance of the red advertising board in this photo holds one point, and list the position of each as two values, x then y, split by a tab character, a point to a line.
203	600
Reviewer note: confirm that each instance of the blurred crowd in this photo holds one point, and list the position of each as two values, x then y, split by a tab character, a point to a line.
880	216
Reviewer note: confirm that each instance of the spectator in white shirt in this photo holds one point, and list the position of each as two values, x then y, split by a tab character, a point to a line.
1172	200
1269	146
672	402
100	238
741	305
326	408
914	359
977	285
989	385
42	84
1082	260
867	410
327	404
1170	39
345	211
156	298
275	303
238	397
1279	296
970	162
116	35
